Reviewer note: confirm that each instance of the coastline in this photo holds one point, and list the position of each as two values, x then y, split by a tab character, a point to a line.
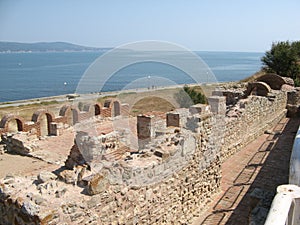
90	96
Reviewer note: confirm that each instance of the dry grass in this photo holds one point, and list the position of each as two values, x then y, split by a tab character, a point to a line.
253	77
163	100
26	111
150	104
140	102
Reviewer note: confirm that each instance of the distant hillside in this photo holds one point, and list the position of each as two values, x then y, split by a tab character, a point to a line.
44	47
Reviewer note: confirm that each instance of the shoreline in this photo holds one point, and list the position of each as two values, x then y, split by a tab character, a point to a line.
64	98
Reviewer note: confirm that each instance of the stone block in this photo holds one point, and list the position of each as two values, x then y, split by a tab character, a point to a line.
145	126
217	104
45	176
68	176
162	154
199	108
98	184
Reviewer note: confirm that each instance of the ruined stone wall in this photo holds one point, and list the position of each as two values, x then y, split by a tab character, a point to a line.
166	187
174	200
250	118
293	103
12	211
168	183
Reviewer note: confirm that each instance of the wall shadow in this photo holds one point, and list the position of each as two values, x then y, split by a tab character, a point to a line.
267	169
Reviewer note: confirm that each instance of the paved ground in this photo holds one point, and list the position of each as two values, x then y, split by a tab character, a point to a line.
54	153
262	164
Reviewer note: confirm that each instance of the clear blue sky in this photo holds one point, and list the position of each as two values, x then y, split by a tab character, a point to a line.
231	25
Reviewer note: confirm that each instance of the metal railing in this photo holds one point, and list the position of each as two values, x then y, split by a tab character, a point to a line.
285	208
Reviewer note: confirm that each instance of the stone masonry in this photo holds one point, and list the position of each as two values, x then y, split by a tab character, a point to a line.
171	175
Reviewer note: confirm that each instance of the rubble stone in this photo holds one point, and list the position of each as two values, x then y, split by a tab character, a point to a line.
45	176
98	184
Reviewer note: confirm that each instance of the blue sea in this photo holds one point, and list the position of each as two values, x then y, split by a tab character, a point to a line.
36	75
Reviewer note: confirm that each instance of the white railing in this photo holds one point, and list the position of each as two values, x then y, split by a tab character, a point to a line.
285	208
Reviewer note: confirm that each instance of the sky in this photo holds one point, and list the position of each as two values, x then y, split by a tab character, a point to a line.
199	25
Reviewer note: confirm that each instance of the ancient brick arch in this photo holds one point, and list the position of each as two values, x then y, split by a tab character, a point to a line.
108	103
114	105
275	81
93	108
43	118
258	88
12	123
71	113
97	109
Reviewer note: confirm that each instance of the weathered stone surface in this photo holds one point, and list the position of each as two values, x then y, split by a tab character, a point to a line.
38	200
60	192
68	176
2	148
45	176
75	158
30	208
19	143
162	154
97	184
258	88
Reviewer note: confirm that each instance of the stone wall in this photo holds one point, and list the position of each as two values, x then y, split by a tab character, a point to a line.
293	104
167	180
250	118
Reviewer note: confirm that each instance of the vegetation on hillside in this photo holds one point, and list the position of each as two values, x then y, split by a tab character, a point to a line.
283	59
189	96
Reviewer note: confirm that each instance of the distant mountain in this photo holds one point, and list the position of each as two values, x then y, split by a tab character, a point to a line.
45	47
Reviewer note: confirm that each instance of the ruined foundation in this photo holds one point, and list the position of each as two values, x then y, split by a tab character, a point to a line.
165	175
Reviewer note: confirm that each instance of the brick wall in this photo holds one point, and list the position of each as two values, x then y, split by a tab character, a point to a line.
65	116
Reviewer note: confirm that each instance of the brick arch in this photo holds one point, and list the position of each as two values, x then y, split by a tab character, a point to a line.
258	88
71	113
108	103
275	81
7	119
43	118
114	105
97	109
93	108
36	116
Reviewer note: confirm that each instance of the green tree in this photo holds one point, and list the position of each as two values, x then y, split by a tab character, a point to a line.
189	96
283	59
296	48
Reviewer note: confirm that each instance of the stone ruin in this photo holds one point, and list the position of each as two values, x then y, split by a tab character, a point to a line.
44	122
162	170
124	184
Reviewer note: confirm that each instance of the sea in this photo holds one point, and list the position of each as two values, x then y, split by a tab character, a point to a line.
36	75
